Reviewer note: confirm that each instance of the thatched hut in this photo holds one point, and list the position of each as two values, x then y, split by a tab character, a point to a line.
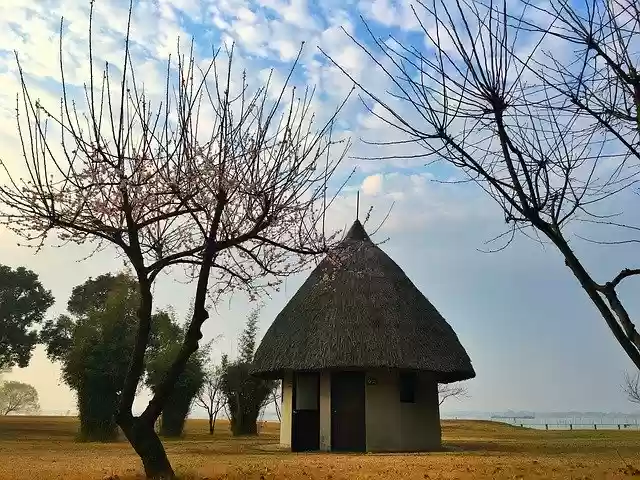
361	352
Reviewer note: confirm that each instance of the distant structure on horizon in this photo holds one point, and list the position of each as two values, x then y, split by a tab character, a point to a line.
360	351
514	417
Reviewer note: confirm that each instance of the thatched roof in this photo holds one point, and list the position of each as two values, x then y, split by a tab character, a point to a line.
358	310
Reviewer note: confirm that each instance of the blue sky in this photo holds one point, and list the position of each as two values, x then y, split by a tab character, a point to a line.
535	340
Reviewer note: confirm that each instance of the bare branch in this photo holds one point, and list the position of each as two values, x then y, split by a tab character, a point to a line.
632	387
222	177
627	272
447	390
538	104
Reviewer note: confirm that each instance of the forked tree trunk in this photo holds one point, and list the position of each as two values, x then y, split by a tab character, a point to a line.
213	417
591	288
147	444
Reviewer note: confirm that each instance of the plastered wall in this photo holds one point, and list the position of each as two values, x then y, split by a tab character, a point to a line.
286	410
325	411
395	426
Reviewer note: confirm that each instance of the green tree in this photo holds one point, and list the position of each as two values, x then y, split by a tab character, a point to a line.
93	344
18	397
23	303
93	294
91	297
245	395
166	338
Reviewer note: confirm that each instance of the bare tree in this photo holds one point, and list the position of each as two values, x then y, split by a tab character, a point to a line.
478	96
601	79
448	390
632	387
225	181
210	396
274	398
18	397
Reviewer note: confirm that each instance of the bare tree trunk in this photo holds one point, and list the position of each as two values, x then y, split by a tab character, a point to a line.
276	401
140	432
215	417
147	444
212	424
593	291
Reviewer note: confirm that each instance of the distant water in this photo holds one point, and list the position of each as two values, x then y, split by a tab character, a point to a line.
555	420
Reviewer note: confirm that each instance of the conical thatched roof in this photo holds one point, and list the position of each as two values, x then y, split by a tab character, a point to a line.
358	309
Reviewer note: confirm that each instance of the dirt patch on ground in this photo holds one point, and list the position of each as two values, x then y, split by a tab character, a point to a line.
45	448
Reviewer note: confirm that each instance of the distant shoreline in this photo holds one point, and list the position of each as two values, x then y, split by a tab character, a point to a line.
598	417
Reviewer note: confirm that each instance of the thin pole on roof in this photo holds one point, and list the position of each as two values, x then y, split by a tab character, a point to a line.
358	205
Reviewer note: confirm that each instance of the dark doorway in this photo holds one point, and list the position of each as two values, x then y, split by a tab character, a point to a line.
305	427
348	432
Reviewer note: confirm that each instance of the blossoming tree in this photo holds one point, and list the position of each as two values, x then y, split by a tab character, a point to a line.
221	180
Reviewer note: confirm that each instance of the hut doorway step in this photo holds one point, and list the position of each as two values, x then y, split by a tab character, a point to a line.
348	431
305	434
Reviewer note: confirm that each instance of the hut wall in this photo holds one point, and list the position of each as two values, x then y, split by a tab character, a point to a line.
420	421
396	426
325	411
286	410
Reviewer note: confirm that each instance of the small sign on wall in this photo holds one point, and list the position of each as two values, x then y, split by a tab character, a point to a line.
372	381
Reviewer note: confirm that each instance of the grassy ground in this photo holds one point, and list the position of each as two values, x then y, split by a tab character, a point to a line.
43	447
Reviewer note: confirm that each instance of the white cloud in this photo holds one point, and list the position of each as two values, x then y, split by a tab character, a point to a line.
372	185
450	220
294	12
383	11
287	50
390	13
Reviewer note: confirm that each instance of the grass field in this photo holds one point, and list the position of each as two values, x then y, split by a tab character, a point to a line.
33	448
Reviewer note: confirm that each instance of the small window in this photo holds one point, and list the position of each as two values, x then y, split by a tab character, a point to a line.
307	391
408	382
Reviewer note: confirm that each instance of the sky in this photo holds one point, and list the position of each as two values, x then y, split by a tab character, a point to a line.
534	338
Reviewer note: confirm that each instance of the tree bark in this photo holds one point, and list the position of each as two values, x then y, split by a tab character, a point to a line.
140	432
246	423
136	366
211	424
277	401
591	288
189	346
149	448
245	428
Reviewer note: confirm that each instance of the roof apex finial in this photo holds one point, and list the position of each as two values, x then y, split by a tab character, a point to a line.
357	232
358	205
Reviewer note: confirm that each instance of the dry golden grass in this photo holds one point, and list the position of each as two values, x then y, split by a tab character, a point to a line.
34	448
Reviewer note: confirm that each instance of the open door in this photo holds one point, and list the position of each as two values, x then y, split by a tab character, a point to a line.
348	431
305	427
